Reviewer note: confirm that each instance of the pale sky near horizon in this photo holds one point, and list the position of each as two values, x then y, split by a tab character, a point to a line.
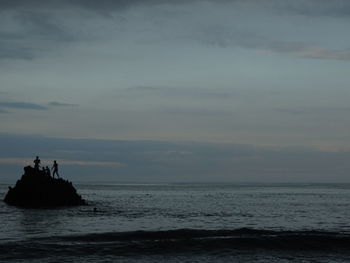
263	73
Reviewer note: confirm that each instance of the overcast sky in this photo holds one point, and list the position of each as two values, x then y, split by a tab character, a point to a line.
263	73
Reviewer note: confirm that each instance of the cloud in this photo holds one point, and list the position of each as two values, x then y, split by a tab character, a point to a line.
44	26
34	27
61	104
205	112
22	105
334	8
314	110
201	93
224	36
14	44
26	33
26	161
31	106
95	6
305	51
164	161
303	7
90	163
15	52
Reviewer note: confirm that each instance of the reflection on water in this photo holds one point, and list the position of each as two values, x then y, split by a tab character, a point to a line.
154	208
40	222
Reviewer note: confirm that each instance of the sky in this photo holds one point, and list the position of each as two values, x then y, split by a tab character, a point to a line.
268	81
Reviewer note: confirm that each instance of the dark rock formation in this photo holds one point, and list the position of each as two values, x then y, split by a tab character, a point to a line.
37	189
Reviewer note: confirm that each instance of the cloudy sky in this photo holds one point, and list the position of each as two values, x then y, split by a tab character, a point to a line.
271	74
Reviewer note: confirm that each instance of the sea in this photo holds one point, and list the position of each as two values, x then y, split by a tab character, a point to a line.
183	223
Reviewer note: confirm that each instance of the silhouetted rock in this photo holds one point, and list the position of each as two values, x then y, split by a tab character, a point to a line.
37	189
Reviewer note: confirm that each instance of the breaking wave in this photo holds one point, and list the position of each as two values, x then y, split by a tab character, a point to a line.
178	241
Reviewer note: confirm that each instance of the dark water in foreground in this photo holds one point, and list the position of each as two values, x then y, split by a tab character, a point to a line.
184	223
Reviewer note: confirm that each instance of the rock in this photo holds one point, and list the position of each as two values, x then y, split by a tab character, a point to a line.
36	189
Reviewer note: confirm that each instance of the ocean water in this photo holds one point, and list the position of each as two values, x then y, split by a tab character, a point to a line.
184	223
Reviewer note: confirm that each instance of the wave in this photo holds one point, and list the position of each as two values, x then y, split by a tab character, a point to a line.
180	234
237	238
183	241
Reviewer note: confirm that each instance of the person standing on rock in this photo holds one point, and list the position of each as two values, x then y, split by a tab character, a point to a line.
55	169
36	163
47	171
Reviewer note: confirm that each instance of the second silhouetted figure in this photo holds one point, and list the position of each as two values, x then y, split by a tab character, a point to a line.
36	163
55	169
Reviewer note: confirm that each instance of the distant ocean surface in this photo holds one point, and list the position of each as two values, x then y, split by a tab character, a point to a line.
184	223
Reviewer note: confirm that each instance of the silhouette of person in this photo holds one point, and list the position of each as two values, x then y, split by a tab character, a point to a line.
36	163
47	171
55	169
